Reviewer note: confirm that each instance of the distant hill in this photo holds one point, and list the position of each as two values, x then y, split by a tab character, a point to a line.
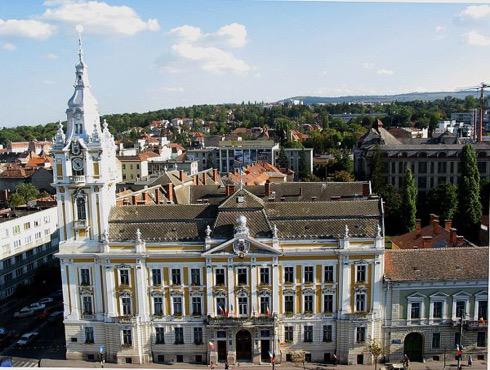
426	96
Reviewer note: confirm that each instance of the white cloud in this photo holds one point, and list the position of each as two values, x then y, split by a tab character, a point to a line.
209	50
367	65
475	38
8	46
384	71
476	11
440	29
51	56
179	89
100	17
26	28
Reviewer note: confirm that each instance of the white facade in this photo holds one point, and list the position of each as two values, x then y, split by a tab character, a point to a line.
26	242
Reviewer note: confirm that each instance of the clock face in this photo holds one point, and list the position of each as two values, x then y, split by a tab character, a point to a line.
77	164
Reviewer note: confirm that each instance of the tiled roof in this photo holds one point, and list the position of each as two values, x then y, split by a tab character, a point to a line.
452	264
256	222
242	199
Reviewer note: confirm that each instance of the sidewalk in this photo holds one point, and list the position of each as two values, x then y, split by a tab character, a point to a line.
477	365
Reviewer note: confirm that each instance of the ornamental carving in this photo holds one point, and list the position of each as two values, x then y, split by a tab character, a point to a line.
264	293
124	292
241	247
288	292
155	292
85	290
308	291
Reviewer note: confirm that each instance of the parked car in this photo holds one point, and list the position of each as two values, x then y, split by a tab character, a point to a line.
27	338
37	306
53	316
24	312
46	300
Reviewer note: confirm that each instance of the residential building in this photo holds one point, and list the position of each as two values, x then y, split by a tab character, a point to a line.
460	129
159	166
134	168
257	174
29	239
429	295
433	161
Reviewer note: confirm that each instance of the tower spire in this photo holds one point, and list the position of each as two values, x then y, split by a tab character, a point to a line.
80	44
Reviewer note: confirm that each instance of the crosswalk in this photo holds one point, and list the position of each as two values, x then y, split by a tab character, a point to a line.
24	363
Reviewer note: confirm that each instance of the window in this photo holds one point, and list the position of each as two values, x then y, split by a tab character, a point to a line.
308	304
179	335
361	273
81	211
16	229
360	334
242	276
328	274
289	304
89	335
415	310
127	337
436	340
124	277
126	305
84	276
288	334
156	277
195	277
27	225
221	305
457	339
482	310
308	333
308	274
160	335
328	303
177	304
481	339
437	310
360	302
196	306
176	280
264	275
327	333
242	305
289	275
460	309
422	167
87	305
197	335
220	276
265	305
441	167
158	306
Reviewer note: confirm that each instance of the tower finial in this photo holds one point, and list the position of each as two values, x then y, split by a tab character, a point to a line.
79	29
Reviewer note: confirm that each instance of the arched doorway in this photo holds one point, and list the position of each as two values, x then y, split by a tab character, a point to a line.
244	345
413	347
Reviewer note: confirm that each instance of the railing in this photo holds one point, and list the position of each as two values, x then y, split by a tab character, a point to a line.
475	325
80	224
238	321
77	179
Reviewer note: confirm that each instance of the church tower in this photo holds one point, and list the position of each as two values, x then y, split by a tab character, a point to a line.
85	173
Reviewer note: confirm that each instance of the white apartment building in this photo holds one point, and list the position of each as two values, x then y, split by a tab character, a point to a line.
28	239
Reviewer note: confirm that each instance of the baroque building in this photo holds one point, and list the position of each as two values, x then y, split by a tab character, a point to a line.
240	277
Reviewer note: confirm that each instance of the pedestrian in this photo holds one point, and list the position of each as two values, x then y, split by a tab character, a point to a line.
334	359
39	363
470	360
406	361
212	366
226	365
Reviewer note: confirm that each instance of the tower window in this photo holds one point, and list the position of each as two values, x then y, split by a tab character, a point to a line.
81	211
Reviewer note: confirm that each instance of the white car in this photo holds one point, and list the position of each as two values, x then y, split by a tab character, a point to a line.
46	300
24	312
37	306
27	338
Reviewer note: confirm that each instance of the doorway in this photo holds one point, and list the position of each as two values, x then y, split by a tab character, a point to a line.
222	353
413	347
265	345
244	346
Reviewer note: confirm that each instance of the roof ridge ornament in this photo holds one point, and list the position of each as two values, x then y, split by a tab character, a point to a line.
346	232
79	29
242	230
140	243
60	135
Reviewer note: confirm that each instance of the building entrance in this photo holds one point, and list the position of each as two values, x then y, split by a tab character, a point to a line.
244	346
222	353
265	347
414	347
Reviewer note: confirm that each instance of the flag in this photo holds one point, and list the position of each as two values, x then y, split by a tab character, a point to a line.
221	310
268	311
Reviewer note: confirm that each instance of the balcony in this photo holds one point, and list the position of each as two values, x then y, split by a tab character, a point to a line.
80	225
77	179
128	319
221	321
475	325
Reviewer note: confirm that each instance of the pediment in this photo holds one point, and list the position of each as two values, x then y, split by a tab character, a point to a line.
241	247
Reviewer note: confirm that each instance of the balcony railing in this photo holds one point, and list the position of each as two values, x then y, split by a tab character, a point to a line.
77	179
80	224
239	321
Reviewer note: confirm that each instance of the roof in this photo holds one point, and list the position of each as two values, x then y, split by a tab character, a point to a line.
452	264
143	156
17	172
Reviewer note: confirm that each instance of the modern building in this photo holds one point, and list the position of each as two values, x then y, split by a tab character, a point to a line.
460	129
436	299
29	239
433	161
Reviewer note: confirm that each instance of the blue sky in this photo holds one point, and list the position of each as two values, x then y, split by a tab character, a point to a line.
145	55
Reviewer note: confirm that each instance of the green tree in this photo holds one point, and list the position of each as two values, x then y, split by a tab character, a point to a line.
443	201
282	160
377	178
469	207
303	170
376	350
409	202
392	207
342	176
23	193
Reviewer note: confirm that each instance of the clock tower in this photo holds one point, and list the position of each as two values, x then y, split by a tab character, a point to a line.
85	171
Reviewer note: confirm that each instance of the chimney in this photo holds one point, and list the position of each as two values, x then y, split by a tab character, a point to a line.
267	188
143	197
459	239
195	179
133	200
215	174
169	188
418	225
426	241
366	188
448	224
436	228
157	196
452	237
204	176
230	189
433	216
181	175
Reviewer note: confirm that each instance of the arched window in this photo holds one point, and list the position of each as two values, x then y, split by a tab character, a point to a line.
81	210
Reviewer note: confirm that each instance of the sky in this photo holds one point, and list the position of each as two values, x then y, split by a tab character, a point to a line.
145	55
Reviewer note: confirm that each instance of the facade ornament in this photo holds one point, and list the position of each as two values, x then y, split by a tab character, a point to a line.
208	231
242	230
274	231
60	135
379	234
140	243
105	241
346	232
95	136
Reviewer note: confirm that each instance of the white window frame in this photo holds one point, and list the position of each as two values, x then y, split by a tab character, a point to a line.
216	304
438	297
161	275
122	336
365	334
89	274
129	275
153	304
85	335
313	303
284	274
192	304
418	298
304	274
333	274
91	304
246	275
130	305
172	304
224	273
333	303
190	275
284	303
480	296
366	309
366	274
181	274
243	296
461	296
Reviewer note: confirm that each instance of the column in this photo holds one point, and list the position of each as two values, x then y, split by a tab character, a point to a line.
98	291
253	286
275	286
377	285
141	286
209	289
65	287
231	286
345	285
110	290
73	293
